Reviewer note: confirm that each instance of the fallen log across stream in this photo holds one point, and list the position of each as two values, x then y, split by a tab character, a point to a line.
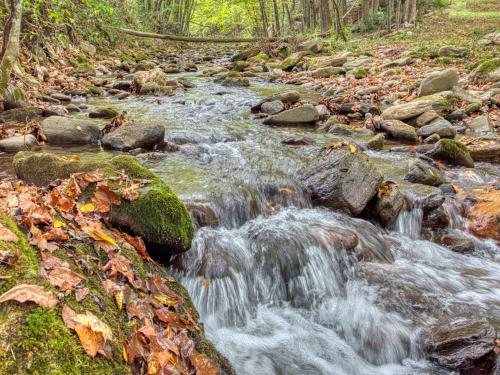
180	38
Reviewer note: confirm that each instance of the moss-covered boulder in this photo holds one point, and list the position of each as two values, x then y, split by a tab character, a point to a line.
36	340
485	70
158	216
453	152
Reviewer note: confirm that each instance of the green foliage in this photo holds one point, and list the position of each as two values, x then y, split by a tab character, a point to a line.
373	22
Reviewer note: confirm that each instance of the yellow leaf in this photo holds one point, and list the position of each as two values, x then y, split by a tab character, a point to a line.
74	158
104	237
124	351
165	300
352	148
86	208
59	224
119	300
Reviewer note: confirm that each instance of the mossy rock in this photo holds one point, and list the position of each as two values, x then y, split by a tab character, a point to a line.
94	90
453	152
158	216
85	68
482	72
260	58
360	72
35	340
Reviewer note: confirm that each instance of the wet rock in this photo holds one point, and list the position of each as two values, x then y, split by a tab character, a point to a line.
14	97
313	45
203	215
399	130
287	97
73	108
439	126
432	202
246	54
376	143
155	76
483	214
151	88
342	180
438	82
481	125
453	152
341	130
69	131
486	152
297	142
436	219
458	243
425	118
387	204
21	114
18	143
456	115
466	346
408	110
447	51
305	115
271	108
105	113
421	172
323	111
61	97
134	135
123	85
235	82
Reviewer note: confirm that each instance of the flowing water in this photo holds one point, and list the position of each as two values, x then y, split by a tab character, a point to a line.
277	290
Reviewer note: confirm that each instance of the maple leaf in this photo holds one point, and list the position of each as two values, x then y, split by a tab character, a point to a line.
202	364
84	179
138	244
33	293
63	204
7	235
121	265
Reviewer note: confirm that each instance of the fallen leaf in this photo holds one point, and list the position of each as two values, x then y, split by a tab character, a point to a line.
87	208
202	364
103	198
34	293
64	278
138	244
7	235
49	262
81	293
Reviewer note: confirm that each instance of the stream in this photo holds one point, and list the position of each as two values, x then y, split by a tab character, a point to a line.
276	290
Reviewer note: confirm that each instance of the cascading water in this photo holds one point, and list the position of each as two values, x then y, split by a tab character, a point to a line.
286	288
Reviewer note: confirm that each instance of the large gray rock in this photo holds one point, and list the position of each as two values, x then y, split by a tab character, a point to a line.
18	143
106	113
342	180
422	173
453	152
287	97
292	60
486	152
70	131
134	135
439	126
466	346
425	118
305	115
453	51
407	110
21	114
481	125
438	82
396	129
376	143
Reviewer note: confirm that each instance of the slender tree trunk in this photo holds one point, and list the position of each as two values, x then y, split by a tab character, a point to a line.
10	47
276	18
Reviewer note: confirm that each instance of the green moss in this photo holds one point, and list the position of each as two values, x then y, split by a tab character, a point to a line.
81	58
85	68
453	152
485	68
260	58
94	90
360	72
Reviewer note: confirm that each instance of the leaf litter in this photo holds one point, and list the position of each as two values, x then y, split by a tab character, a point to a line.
160	342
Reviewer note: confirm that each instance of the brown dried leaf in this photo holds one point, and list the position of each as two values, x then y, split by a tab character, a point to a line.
64	278
202	364
138	244
81	293
103	198
49	262
7	235
121	265
34	293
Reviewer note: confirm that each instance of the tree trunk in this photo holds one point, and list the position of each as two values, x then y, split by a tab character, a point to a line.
10	47
325	16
